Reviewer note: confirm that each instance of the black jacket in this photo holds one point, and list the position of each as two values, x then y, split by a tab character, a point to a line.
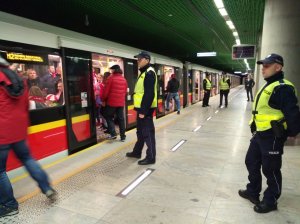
149	83
173	86
283	98
249	84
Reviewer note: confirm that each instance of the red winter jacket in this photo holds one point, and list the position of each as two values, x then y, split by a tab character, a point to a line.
14	117
115	91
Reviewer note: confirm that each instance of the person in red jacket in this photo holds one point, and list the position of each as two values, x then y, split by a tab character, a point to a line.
14	122
114	99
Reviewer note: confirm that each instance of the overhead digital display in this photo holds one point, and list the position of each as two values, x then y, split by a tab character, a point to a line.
244	51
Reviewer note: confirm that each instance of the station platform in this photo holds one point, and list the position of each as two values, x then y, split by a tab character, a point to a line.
197	183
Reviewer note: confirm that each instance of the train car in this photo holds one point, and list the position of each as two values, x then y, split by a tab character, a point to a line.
61	65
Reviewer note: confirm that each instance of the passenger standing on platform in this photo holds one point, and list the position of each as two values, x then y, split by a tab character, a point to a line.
207	88
224	89
249	84
172	89
275	116
14	122
145	102
114	97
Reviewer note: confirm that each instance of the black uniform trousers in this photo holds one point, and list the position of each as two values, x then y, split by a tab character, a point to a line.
265	151
249	92
225	94
206	98
145	132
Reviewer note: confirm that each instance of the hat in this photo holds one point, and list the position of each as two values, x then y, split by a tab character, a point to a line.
143	54
270	59
3	62
115	67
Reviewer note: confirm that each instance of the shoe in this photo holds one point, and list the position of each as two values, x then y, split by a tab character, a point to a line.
6	211
244	194
225	106
167	109
123	139
252	100
178	112
112	137
220	106
262	207
146	161
204	106
248	100
51	195
133	155
106	131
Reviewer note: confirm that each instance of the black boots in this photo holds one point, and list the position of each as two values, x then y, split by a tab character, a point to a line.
244	194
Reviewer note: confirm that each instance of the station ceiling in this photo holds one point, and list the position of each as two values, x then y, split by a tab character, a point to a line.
180	28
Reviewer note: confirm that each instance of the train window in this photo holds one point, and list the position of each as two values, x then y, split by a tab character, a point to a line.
43	75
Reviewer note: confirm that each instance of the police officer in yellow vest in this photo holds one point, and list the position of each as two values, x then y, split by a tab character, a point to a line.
224	89
145	102
275	116
207	89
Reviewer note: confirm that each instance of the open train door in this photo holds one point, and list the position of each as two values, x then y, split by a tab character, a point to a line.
130	74
80	103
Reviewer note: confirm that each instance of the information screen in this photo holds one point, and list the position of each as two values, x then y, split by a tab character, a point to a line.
244	51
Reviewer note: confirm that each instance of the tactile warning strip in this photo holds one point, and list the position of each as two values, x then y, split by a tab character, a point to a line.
38	205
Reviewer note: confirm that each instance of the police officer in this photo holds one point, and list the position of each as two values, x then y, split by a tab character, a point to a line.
145	102
275	116
224	89
207	88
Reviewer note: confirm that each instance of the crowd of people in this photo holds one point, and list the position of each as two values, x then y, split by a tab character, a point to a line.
44	91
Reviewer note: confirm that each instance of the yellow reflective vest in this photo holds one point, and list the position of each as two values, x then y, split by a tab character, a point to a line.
139	90
262	113
223	84
208	84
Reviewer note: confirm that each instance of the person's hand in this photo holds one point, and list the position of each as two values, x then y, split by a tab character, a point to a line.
141	115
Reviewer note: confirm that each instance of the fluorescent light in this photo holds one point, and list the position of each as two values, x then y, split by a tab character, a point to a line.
206	54
230	24
219	4
197	128
238	42
208	118
237	72
223	12
177	145
136	182
235	34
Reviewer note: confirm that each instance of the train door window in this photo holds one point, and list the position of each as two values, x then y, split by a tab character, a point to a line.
80	107
190	85
168	71
160	111
201	85
131	74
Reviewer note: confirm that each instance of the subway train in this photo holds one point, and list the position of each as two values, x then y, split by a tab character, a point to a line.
63	64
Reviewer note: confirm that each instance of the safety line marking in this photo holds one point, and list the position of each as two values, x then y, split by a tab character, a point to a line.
135	183
180	143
